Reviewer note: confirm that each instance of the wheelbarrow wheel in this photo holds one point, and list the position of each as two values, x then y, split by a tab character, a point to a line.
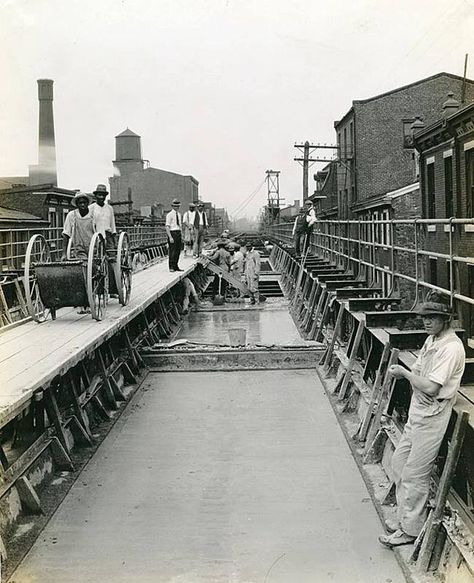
97	277
37	251
123	269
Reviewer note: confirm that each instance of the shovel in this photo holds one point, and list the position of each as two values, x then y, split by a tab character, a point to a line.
219	298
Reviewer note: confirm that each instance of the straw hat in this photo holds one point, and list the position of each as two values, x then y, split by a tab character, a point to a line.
78	196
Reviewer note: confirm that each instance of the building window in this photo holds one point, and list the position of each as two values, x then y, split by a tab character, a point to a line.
345	143
339	153
469	154
430	191
351	139
433	270
448	186
407	133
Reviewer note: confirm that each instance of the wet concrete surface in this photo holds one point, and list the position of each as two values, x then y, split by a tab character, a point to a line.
218	477
268	324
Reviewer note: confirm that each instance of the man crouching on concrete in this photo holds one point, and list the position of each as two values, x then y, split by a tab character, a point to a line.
435	380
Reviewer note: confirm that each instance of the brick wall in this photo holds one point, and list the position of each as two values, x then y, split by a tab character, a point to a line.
153	186
383	164
329	190
407	206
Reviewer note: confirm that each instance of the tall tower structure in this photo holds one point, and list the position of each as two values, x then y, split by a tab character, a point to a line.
128	153
45	171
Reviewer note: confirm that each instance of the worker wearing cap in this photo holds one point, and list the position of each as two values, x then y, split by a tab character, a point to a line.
252	273
189	233
435	379
173	227
104	216
201	224
79	226
221	257
300	231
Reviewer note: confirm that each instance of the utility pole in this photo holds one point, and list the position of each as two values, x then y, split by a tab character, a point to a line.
306	161
306	149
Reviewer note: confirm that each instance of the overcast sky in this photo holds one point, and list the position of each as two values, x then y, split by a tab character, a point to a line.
220	89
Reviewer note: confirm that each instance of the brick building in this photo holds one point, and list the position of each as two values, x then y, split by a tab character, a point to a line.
288	213
325	194
45	201
446	150
148	187
375	140
376	175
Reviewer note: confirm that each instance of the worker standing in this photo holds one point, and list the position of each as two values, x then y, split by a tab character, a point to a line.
435	379
173	232
221	257
201	225
79	226
189	233
104	217
252	273
300	231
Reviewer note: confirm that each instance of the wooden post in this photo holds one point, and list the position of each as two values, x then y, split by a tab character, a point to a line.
352	359
330	349
322	299
54	417
436	517
377	435
364	426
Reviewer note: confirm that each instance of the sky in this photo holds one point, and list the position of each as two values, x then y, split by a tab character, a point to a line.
219	89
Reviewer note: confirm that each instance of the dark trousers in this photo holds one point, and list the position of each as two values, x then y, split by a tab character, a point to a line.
301	240
174	249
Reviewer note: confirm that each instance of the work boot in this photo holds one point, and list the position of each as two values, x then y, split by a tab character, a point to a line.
396	539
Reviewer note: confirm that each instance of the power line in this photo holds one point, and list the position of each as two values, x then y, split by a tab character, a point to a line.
244	203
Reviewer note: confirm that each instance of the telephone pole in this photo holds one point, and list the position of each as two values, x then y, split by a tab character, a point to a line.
307	161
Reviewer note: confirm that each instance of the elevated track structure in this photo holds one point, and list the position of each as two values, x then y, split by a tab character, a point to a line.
357	291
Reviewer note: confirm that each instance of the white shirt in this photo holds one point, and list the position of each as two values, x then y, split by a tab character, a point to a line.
103	217
201	219
311	217
188	218
174	220
442	361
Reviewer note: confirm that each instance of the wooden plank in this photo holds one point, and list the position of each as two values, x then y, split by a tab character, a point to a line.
33	354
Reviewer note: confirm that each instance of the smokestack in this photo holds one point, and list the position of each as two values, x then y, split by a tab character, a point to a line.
45	172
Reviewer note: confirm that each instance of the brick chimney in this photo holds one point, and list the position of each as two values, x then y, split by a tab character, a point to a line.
45	171
450	106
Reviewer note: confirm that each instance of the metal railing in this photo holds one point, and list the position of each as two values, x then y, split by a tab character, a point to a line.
13	242
396	252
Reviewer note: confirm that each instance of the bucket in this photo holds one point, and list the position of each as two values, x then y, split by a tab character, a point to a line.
237	336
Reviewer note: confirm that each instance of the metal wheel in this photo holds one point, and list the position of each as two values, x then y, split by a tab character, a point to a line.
36	252
123	269
97	277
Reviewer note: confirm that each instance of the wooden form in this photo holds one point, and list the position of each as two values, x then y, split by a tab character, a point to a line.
66	402
377	429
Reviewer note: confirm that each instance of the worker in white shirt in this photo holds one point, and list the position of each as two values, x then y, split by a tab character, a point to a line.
200	224
104	218
173	232
435	379
189	231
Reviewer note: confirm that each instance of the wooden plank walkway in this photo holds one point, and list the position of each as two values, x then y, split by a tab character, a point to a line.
32	354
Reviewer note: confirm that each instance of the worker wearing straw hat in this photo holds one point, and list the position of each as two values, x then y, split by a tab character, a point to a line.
435	379
79	226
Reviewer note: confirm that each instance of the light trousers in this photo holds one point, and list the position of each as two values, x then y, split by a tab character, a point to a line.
412	464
